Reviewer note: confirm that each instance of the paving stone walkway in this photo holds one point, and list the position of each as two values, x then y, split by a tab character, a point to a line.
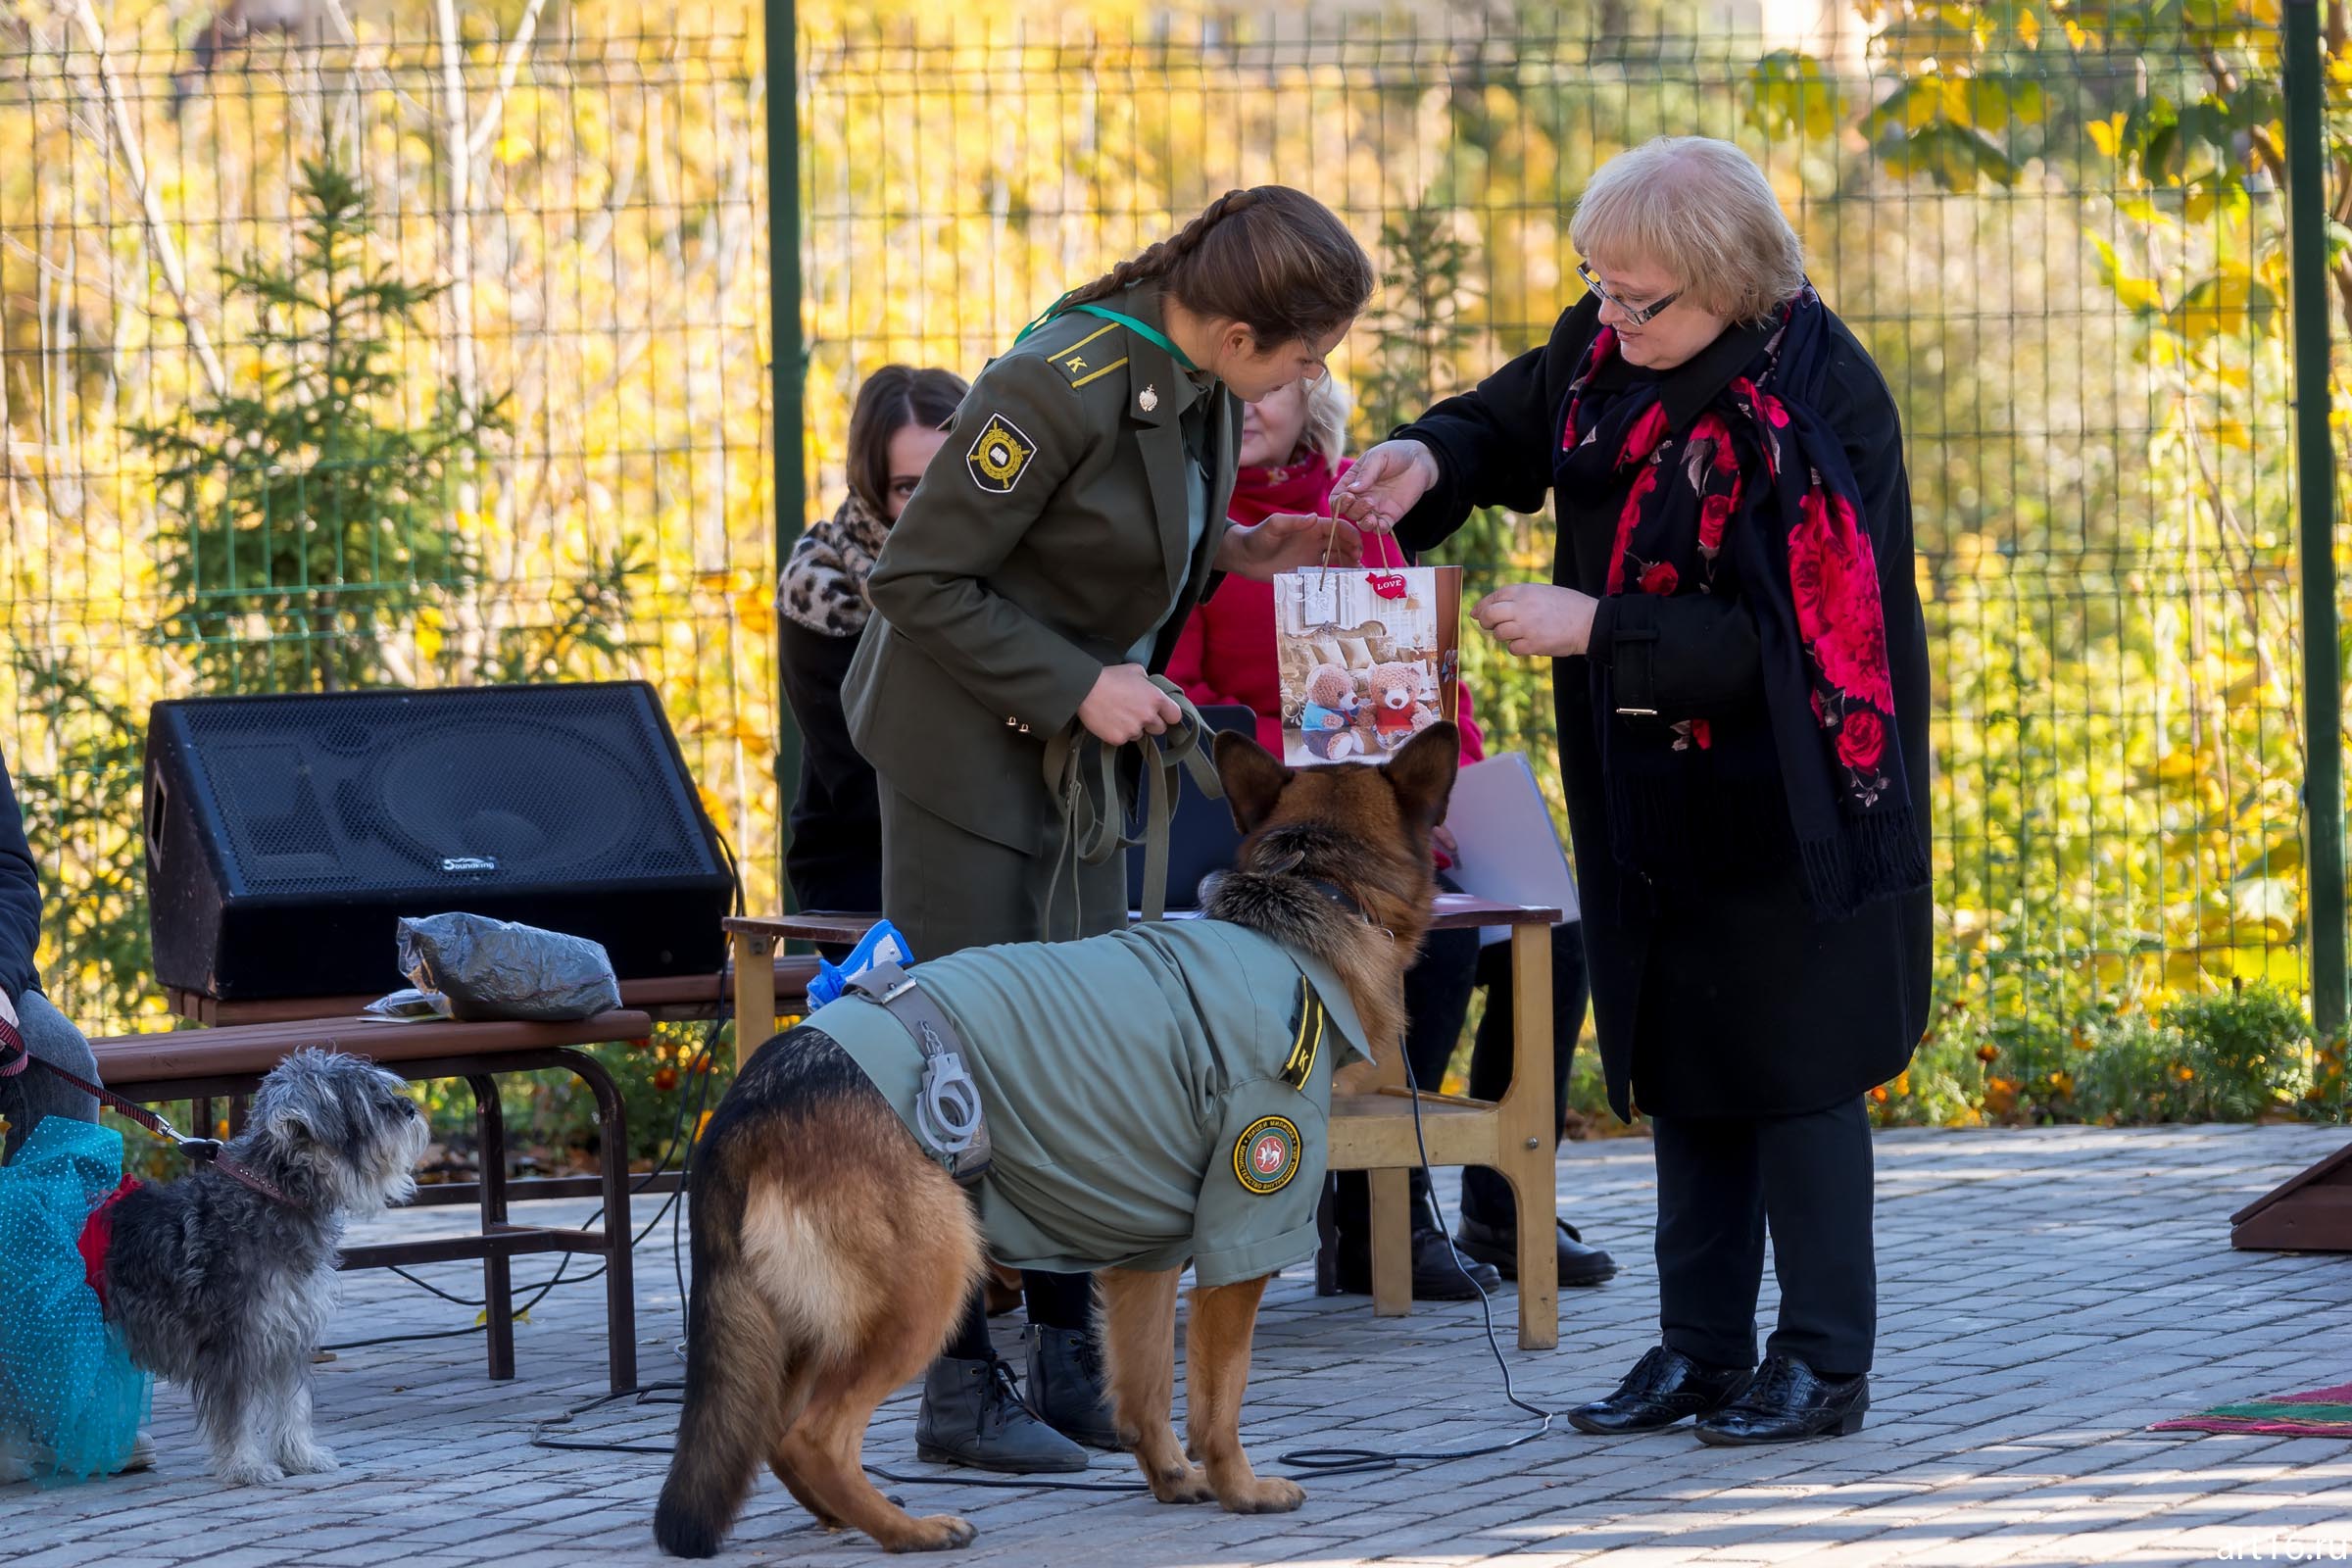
2045	1295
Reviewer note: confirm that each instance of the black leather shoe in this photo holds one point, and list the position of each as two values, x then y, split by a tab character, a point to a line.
1663	1387
1436	1276
972	1414
1065	1386
1787	1401
1499	1245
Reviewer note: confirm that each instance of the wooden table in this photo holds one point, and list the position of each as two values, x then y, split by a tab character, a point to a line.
667	999
1372	1122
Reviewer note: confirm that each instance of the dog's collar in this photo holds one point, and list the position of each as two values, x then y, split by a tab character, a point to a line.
1338	896
1348	901
213	1153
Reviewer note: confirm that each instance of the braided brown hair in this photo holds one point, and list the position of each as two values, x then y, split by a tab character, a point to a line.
1271	257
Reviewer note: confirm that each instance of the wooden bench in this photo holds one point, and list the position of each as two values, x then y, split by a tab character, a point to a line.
201	1064
1372	1124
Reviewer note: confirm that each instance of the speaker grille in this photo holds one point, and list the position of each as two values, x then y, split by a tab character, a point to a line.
484	788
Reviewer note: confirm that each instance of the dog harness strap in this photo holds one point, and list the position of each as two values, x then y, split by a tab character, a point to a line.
946	1108
98	1235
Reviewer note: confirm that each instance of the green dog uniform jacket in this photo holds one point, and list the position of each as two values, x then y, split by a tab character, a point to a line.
1152	1096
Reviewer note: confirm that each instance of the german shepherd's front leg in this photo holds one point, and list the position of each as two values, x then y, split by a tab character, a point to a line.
1139	1350
1216	1355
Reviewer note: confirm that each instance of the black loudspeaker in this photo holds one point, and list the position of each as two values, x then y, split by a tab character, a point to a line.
285	835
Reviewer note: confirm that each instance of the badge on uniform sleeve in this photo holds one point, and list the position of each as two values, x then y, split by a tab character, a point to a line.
1307	1021
998	455
1266	1155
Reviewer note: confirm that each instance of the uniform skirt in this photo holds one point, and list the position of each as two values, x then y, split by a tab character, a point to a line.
946	889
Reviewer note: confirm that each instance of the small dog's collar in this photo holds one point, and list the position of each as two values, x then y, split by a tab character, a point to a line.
212	1152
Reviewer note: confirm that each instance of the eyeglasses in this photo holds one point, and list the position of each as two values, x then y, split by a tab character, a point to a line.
1634	315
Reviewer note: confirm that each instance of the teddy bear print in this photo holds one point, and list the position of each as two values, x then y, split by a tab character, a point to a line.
1326	720
1397	713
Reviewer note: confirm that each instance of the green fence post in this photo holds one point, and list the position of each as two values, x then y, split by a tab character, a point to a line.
2315	490
786	368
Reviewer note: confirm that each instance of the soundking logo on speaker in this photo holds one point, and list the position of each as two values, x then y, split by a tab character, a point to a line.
457	863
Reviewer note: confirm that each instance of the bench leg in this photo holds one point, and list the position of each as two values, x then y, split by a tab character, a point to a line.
1391	1241
1526	1119
498	1275
755	993
621	1282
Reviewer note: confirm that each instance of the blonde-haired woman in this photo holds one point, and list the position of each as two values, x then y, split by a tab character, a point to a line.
1743	702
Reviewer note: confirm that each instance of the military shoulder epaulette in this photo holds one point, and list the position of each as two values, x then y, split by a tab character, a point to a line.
1094	355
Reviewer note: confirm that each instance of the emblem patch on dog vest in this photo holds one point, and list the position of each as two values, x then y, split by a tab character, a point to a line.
1308	1022
1266	1155
998	455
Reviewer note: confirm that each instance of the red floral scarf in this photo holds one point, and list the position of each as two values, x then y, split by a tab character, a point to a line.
1754	501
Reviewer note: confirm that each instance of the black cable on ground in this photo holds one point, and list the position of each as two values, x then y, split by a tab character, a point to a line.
1307	1462
1353	1461
697	1070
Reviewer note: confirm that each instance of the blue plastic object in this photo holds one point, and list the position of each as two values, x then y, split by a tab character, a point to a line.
882	944
70	1401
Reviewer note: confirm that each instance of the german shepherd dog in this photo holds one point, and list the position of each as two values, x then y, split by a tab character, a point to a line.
832	1256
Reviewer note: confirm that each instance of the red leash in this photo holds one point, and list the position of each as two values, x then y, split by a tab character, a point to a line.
15	1055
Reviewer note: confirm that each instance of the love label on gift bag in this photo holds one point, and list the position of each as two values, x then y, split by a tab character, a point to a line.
1368	657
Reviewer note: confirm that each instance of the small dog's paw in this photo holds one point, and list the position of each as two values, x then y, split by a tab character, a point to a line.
940	1532
1188	1485
251	1472
1264	1494
308	1459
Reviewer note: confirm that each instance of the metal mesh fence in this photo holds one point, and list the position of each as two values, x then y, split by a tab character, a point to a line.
567	460
338	358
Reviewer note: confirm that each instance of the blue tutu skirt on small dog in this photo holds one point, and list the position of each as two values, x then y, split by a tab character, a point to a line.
70	1401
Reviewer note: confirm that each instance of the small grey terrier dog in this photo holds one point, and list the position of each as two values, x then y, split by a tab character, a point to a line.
226	1290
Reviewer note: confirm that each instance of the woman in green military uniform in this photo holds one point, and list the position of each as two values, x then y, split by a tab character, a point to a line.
1032	588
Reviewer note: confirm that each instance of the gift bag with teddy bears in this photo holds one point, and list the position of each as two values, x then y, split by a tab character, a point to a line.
1368	657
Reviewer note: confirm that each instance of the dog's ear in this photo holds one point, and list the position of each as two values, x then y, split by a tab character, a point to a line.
1422	773
1252	777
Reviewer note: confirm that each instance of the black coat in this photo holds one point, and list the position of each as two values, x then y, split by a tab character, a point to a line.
20	899
1726	998
835	860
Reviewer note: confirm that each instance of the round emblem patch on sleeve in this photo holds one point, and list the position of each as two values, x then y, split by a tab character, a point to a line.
1266	1155
998	455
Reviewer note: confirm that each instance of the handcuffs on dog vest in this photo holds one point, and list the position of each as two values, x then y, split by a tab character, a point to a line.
947	1107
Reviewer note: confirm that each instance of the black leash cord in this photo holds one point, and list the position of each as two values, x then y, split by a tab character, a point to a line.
679	1145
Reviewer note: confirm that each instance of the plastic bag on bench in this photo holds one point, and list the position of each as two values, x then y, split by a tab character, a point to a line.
499	969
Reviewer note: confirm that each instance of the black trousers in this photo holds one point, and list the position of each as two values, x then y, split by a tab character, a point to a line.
1724	1184
1437	999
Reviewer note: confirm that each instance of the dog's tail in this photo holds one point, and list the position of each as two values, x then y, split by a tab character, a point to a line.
746	1371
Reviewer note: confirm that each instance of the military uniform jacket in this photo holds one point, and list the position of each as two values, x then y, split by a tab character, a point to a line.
1048	537
1152	1096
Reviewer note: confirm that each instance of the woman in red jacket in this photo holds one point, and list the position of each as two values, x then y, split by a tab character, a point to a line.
1290	460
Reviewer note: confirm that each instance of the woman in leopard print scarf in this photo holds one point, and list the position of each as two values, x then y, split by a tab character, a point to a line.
835	861
824	576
